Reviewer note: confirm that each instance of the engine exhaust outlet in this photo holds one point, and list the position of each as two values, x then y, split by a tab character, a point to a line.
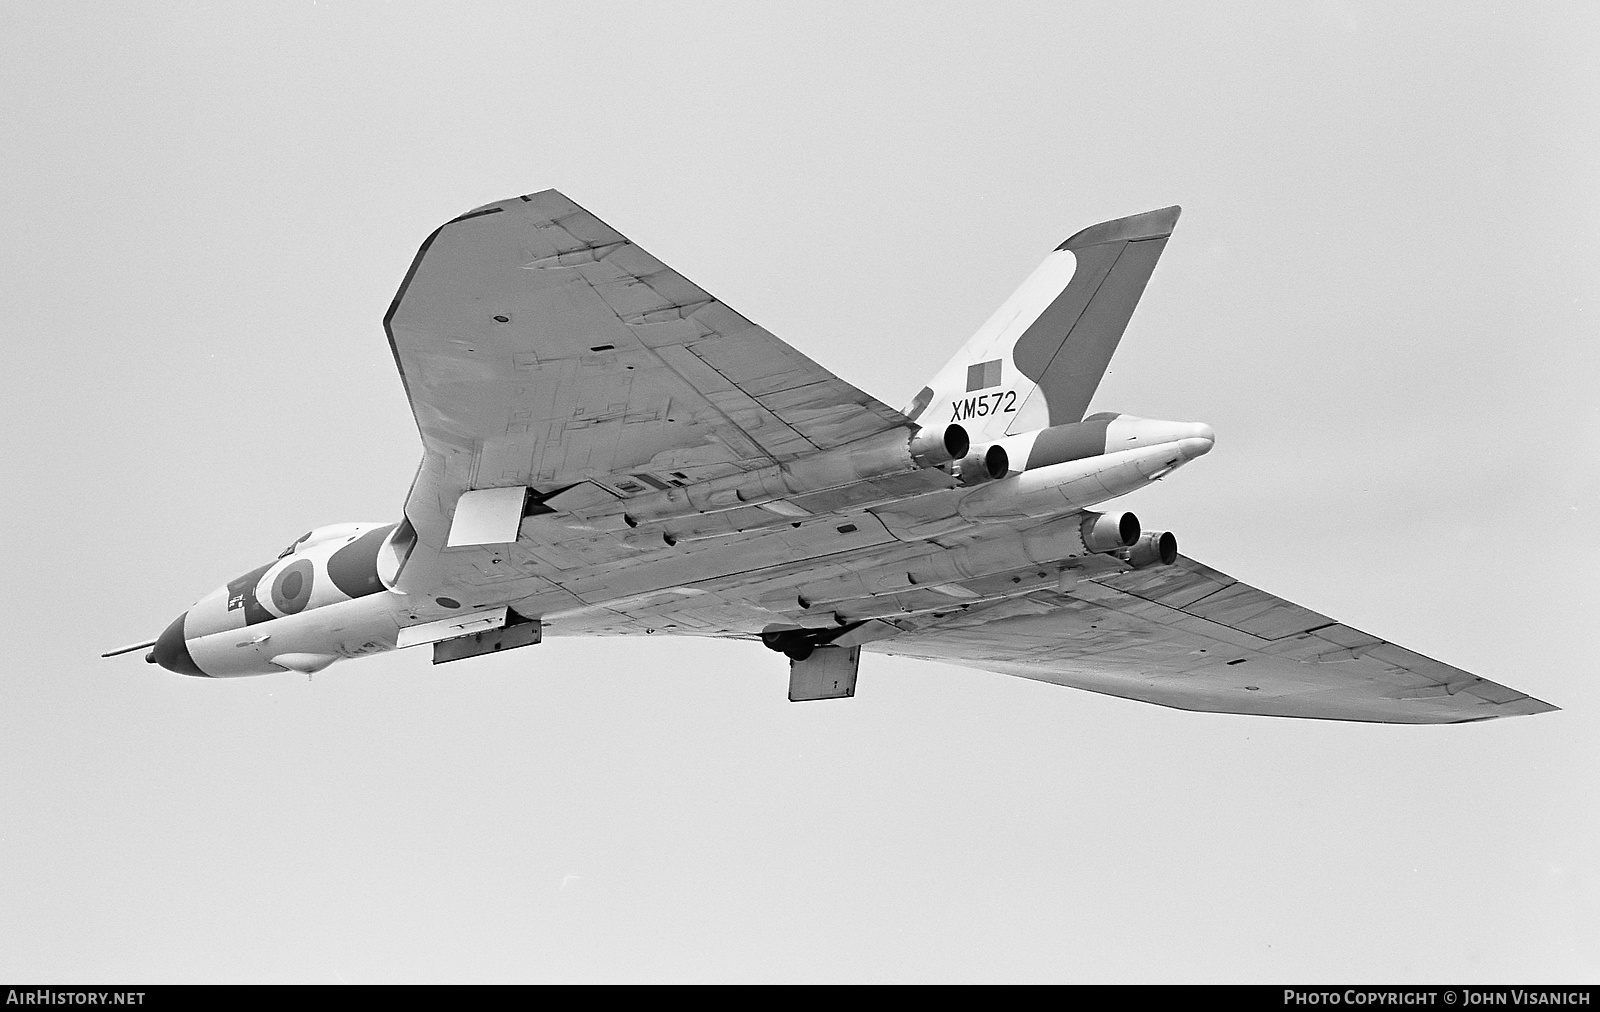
930	448
984	464
1154	548
1110	532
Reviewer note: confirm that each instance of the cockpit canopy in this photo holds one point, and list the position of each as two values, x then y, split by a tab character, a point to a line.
323	534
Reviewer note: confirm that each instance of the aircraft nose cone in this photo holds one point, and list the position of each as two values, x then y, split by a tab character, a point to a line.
172	653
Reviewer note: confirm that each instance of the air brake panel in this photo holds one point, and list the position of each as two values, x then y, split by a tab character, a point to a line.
828	673
488	516
450	628
519	634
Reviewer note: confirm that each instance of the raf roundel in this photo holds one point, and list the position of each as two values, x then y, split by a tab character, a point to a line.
291	589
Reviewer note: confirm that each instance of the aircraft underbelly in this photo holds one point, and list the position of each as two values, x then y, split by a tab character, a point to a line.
354	628
845	568
692	564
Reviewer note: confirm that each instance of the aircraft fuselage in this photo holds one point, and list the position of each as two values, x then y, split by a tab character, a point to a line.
333	594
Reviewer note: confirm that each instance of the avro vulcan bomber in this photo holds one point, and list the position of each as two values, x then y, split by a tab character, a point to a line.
609	450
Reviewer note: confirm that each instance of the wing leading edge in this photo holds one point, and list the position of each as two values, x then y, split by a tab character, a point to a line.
1190	637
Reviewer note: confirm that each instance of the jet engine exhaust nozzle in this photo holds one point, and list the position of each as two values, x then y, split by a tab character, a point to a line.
1109	532
931	448
984	464
1153	548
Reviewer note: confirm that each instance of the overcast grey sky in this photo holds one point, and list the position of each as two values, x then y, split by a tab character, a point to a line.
1382	294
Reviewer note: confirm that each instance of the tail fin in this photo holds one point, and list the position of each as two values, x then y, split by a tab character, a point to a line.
1039	358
